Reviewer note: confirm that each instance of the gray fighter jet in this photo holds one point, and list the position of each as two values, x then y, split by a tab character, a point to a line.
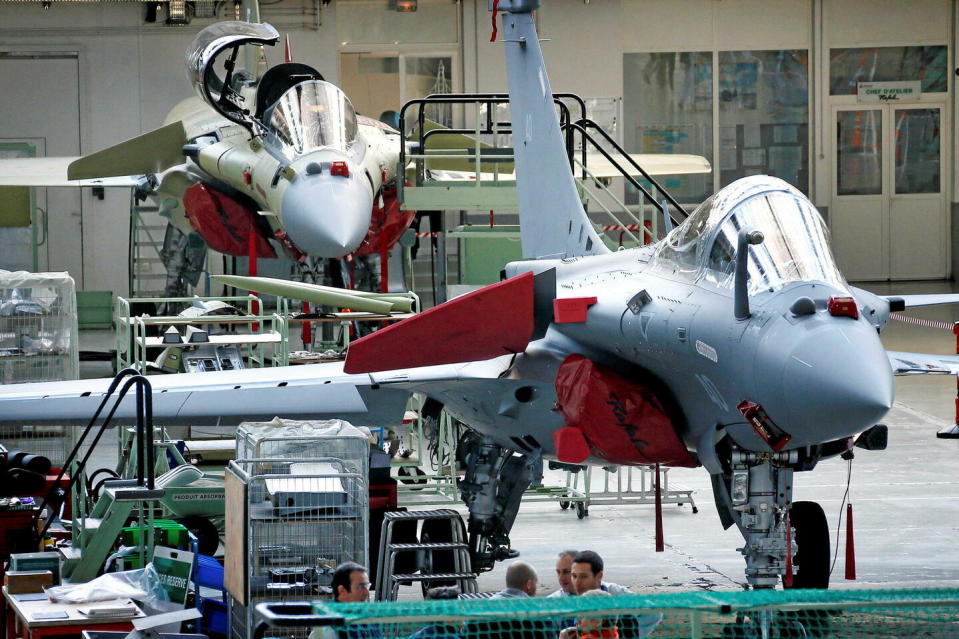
734	343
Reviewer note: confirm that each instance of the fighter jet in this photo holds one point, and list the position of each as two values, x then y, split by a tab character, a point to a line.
734	344
284	157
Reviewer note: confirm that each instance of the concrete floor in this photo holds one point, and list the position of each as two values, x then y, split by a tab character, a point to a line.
906	498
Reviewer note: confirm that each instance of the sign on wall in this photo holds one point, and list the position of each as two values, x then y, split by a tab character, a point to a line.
909	91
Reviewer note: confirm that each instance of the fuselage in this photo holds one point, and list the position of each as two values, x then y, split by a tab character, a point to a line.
817	376
318	194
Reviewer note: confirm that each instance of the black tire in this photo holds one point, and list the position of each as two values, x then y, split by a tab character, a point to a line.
581	510
207	536
94	486
412	476
812	538
564	505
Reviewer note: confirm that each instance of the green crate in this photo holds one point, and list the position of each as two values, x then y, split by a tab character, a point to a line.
95	309
484	251
166	533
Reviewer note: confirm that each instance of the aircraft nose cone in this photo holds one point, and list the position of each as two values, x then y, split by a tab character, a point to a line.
327	215
836	381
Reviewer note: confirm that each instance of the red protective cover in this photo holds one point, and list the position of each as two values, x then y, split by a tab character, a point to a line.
224	222
570	310
493	321
386	224
624	422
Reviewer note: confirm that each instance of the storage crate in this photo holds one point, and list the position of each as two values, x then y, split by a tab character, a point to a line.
290	523
288	439
38	327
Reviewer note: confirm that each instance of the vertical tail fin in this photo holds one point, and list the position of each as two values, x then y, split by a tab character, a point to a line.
553	223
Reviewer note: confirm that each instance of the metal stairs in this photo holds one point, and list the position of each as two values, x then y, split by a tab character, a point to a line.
388	582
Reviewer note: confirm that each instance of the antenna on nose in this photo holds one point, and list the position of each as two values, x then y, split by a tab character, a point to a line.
747	237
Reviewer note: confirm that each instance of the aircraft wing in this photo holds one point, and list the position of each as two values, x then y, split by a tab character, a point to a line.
315	391
52	172
923	363
652	163
910	301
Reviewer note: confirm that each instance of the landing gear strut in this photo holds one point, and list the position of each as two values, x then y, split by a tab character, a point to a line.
492	489
783	540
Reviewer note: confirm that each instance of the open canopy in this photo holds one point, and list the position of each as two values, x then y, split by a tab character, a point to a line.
206	51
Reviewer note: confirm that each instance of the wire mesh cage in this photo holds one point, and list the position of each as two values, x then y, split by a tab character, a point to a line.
304	517
38	343
285	439
38	327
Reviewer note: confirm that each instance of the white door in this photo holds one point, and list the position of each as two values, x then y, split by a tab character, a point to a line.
888	212
44	105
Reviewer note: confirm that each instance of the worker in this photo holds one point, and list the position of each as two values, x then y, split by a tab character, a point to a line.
587	574
593	627
564	570
521	581
351	584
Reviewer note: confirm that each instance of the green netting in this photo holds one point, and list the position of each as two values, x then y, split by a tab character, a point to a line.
795	613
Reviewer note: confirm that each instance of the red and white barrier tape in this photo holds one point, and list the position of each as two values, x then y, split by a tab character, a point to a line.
948	326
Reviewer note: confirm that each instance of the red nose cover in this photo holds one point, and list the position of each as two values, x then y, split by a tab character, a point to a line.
624	422
386	224
493	321
224	222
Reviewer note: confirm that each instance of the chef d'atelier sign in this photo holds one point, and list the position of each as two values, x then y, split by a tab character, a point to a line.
889	91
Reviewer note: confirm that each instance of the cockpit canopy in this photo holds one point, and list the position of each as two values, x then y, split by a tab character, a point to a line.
311	115
220	43
796	245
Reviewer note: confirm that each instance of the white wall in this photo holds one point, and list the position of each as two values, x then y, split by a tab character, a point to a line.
131	75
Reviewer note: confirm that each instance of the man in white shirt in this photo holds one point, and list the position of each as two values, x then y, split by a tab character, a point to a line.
564	574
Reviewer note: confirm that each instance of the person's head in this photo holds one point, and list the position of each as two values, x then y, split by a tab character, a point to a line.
350	583
564	569
587	572
587	625
443	592
521	576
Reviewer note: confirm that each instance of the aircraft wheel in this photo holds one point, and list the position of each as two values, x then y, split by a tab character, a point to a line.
412	476
812	539
564	505
207	536
581	510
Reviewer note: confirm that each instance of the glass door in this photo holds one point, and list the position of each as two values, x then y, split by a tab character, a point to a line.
888	213
378	84
858	216
917	203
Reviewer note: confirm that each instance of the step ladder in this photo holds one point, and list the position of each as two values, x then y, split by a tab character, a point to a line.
94	535
388	583
147	232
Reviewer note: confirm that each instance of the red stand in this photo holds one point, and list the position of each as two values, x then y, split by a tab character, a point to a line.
660	541
850	546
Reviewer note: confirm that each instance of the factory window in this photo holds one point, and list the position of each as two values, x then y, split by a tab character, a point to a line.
848	67
668	108
761	107
764	115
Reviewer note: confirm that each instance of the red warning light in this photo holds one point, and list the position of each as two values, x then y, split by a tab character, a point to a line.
843	305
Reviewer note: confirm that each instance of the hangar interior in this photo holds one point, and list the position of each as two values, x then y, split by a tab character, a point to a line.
849	103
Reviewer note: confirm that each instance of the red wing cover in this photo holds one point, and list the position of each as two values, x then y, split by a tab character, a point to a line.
223	222
387	224
493	321
623	422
